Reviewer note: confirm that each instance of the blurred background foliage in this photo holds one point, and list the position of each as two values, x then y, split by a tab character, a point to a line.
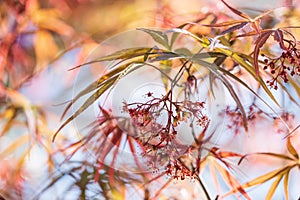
39	41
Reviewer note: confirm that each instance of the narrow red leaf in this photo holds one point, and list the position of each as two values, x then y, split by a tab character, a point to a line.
239	13
260	41
251	33
278	36
233	28
228	23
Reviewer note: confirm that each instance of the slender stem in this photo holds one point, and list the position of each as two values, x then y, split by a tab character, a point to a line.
203	187
178	75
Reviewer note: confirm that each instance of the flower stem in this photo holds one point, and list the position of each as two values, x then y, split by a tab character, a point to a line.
203	187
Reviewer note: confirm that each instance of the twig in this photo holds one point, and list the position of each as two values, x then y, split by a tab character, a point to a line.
203	187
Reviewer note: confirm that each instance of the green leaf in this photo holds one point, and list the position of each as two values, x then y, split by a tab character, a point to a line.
245	85
104	86
164	57
176	34
183	51
214	68
236	57
235	97
93	86
165	67
217	62
157	36
209	55
211	80
96	84
122	54
87	103
186	32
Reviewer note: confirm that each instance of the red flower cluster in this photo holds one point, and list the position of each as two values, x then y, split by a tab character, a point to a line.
156	122
178	169
287	63
235	118
158	118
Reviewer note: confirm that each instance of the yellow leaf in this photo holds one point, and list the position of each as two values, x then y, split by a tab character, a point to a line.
49	19
87	103
267	177
285	185
273	188
118	195
8	113
291	149
165	66
18	100
45	48
263	178
20	141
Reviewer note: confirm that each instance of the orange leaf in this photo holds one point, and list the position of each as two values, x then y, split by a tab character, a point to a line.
225	154
231	181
